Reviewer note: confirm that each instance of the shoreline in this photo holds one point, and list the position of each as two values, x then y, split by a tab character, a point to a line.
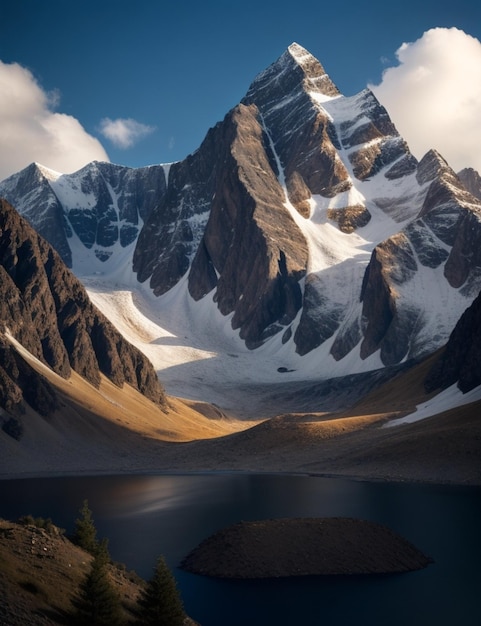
221	471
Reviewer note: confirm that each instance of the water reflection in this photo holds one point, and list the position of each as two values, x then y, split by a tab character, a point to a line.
148	495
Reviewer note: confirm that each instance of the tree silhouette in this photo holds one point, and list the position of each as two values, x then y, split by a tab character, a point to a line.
160	603
85	533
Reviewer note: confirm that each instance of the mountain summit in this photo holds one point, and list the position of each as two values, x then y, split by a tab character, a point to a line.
303	220
296	68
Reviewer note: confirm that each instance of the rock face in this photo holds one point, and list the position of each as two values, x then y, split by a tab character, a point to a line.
47	310
460	361
230	232
471	180
444	238
103	205
302	216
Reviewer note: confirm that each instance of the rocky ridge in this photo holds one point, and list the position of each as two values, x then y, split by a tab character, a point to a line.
101	206
47	311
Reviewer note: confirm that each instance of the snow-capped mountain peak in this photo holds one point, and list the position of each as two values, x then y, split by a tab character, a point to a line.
302	228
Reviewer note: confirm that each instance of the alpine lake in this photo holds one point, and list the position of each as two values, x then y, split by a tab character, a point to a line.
144	516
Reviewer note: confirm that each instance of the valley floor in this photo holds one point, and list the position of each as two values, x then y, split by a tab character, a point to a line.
112	430
442	449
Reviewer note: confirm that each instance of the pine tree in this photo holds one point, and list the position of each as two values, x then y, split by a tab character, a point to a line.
160	603
98	604
102	552
85	533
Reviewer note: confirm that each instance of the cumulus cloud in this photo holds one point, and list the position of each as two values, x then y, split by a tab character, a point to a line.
124	133
31	130
434	95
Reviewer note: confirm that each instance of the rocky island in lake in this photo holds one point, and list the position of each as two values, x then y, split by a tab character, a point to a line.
277	548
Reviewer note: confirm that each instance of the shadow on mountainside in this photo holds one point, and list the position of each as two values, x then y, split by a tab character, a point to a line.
256	400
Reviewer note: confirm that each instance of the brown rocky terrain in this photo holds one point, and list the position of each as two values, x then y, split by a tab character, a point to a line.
40	574
278	548
101	429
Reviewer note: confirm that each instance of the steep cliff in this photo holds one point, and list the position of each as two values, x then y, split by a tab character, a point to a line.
48	312
460	361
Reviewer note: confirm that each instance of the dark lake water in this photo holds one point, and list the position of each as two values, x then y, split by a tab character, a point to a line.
145	516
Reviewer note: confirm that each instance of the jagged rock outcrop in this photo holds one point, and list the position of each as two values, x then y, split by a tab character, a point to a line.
31	193
47	310
460	361
392	263
252	241
349	218
102	205
233	235
471	181
301	133
447	235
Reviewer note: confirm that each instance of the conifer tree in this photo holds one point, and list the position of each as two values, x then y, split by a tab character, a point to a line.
98	604
102	552
160	603
85	533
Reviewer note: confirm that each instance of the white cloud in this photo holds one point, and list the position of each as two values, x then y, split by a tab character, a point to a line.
30	129
124	133
434	95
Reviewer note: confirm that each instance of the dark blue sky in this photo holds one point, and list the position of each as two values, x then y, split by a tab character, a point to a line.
180	66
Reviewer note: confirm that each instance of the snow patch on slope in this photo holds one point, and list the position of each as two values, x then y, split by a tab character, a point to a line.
86	264
450	398
71	194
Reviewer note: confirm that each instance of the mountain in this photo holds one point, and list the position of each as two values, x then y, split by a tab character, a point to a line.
70	401
302	223
98	208
75	395
46	311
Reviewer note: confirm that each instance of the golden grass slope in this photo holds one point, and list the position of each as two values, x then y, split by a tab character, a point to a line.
104	429
119	431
